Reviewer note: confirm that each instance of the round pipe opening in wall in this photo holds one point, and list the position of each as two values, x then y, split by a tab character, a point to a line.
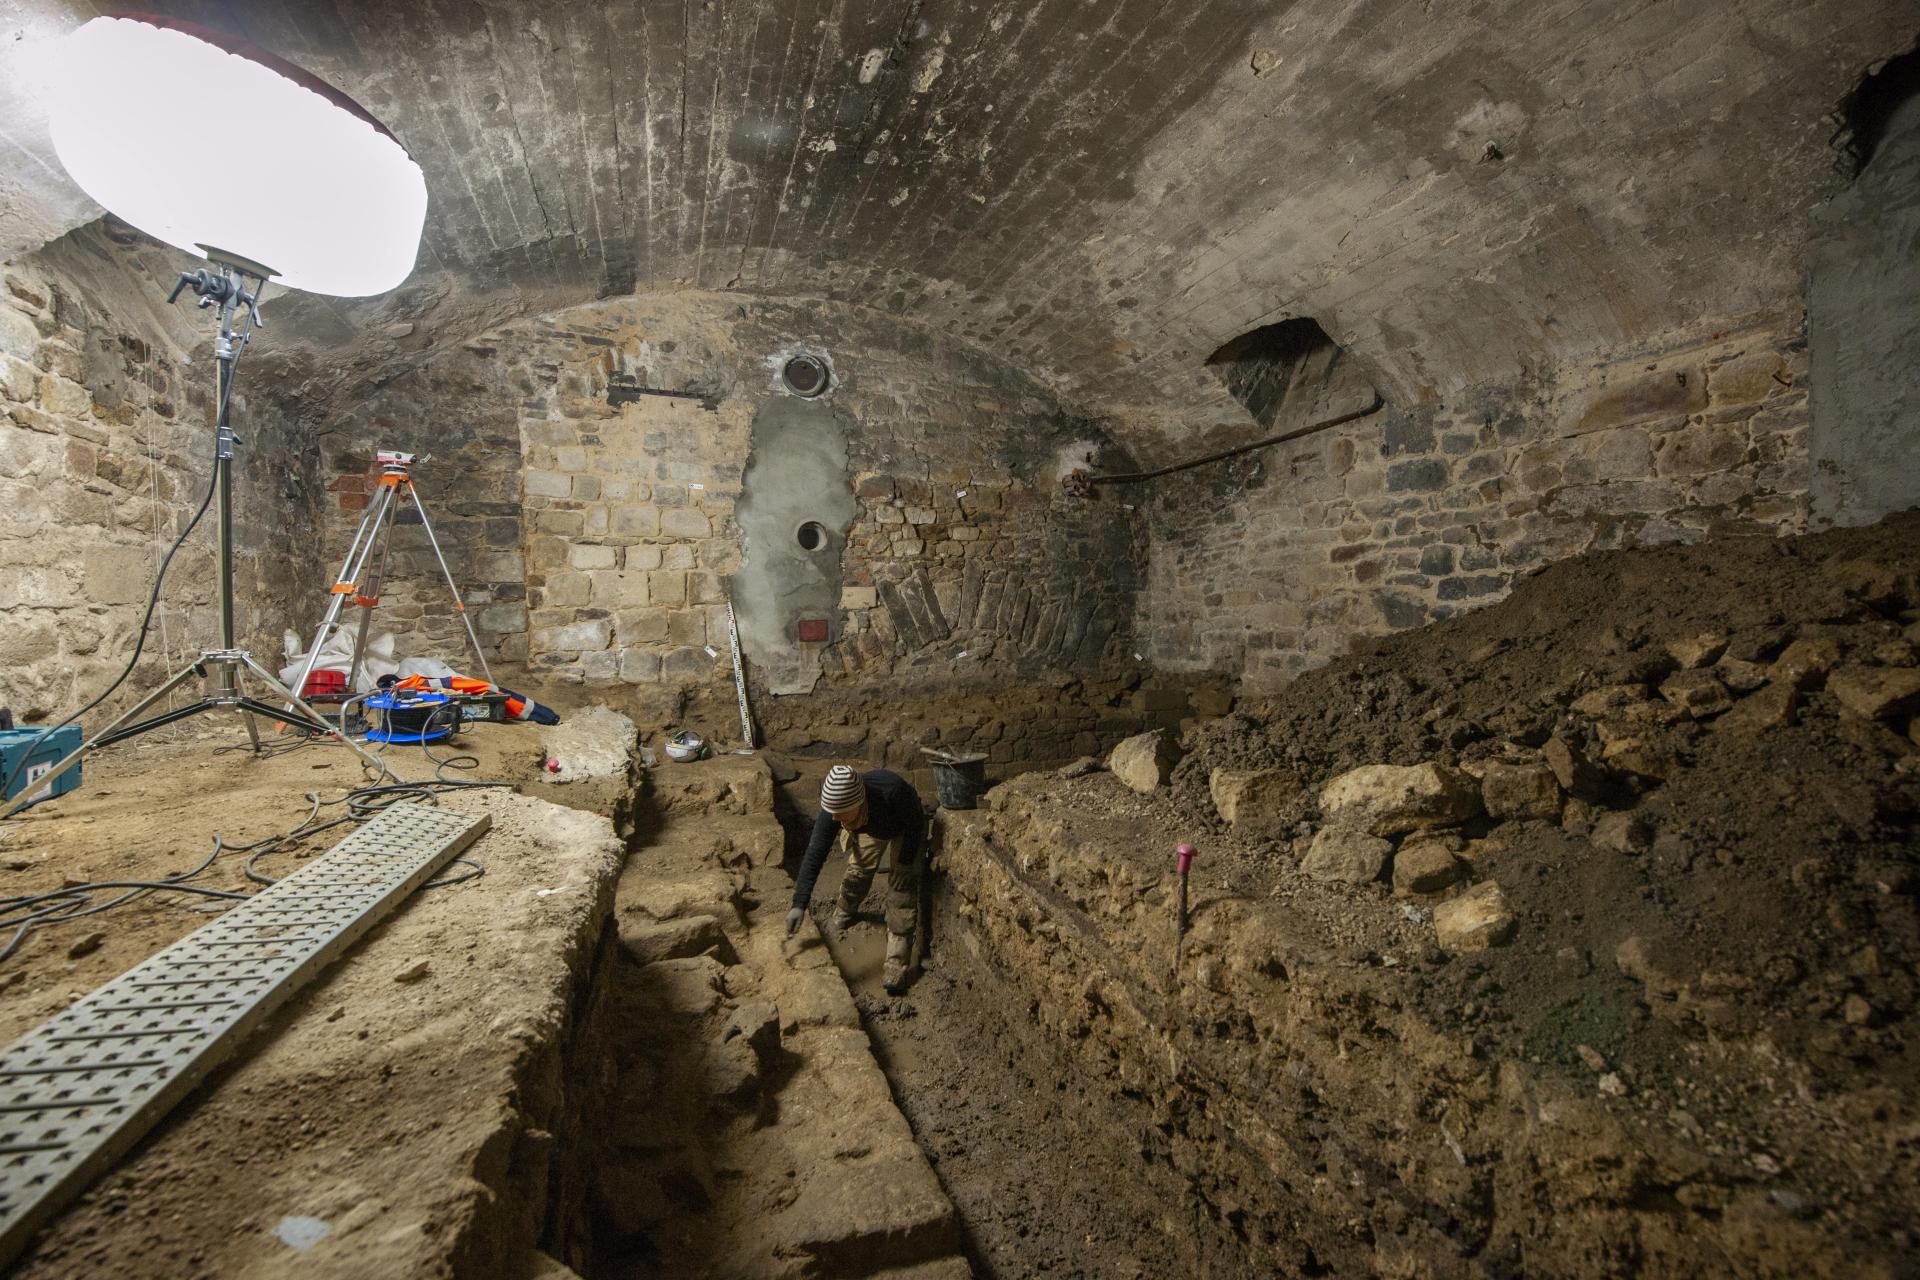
805	376
811	536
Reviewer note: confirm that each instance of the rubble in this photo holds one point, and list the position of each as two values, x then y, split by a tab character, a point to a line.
1479	918
1253	798
1386	800
1351	857
1145	760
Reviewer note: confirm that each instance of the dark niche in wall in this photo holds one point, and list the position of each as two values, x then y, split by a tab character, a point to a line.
1278	366
1866	112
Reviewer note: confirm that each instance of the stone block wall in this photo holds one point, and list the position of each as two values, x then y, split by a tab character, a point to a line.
1273	563
965	561
106	449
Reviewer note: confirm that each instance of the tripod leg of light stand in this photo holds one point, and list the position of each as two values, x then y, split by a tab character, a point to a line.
375	583
279	690
99	739
459	605
349	574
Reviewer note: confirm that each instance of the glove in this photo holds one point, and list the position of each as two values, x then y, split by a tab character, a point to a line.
794	917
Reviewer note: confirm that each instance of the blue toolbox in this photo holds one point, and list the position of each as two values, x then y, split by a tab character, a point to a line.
17	745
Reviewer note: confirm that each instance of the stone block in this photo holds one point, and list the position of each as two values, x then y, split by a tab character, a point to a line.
1577	775
1520	791
1773	707
617	589
1424	866
19	380
1347	856
1701	650
640	626
1254	798
18	335
859	598
1476	920
1144	761
1804	663
589	556
639	666
1385	799
1417	475
667	588
1699	693
686	665
634	522
677	939
566	590
687	627
1661	393
1748	379
856	1217
584	636
1876	693
547	484
685	522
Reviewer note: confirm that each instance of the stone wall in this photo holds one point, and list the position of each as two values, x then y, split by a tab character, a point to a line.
1863	277
1272	563
105	452
592	519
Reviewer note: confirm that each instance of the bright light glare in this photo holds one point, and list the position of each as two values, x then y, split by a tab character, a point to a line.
196	145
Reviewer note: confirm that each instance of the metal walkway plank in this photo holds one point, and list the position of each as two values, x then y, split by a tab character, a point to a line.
79	1090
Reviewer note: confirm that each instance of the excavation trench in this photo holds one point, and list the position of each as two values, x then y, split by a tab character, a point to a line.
742	1104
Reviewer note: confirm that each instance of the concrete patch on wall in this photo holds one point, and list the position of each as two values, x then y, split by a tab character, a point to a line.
1865	336
796	477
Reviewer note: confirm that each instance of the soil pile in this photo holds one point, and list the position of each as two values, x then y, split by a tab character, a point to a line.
1648	838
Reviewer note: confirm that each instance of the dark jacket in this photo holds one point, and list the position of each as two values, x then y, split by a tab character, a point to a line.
893	809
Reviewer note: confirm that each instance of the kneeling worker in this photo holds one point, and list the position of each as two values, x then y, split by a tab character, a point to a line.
880	816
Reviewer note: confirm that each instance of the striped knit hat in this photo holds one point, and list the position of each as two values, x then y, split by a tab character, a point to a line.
843	790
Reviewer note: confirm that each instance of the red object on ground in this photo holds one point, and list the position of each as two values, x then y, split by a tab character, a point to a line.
553	766
325	684
1186	854
813	630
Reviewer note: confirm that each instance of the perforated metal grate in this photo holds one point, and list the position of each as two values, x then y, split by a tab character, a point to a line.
79	1090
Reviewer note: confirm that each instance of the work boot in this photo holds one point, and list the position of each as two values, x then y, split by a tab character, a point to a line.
893	974
842	920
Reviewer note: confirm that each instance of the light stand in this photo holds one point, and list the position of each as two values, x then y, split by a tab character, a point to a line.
225	289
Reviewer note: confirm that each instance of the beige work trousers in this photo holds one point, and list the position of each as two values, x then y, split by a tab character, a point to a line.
903	898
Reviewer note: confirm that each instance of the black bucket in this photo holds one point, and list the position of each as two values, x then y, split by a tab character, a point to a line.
960	781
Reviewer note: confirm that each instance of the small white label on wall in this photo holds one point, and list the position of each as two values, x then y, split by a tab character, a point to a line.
35	772
711	651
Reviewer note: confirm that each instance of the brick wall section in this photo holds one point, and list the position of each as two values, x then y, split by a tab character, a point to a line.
105	451
1273	563
626	533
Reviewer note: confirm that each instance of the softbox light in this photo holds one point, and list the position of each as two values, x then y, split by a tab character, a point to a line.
202	140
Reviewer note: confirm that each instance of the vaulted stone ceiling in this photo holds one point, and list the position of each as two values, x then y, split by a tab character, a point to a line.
1099	191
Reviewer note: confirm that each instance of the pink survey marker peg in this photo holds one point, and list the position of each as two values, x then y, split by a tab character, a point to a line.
1186	854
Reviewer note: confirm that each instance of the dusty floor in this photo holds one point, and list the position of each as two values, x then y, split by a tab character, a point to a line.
371	1101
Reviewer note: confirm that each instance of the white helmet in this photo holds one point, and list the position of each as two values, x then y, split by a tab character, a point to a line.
684	745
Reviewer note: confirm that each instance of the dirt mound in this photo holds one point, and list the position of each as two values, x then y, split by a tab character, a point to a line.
1712	902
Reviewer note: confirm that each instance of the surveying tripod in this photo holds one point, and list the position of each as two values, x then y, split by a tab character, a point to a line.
363	586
